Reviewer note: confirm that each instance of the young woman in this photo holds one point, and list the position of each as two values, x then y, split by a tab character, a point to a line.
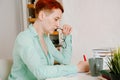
34	53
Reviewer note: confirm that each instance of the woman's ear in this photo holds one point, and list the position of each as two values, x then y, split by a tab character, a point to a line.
41	15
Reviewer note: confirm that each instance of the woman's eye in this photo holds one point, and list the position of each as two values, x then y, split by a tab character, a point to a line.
56	19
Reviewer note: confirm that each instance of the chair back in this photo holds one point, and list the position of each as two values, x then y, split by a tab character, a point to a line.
5	67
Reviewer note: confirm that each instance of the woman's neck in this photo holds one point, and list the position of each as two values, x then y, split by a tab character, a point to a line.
39	28
41	33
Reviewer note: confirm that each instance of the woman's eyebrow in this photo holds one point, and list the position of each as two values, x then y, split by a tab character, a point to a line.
58	17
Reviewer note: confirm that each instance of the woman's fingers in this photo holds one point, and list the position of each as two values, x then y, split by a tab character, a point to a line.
67	29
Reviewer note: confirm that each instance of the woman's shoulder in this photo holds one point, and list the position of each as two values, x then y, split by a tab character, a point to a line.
24	36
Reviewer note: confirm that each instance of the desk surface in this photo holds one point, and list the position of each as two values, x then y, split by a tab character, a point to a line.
78	76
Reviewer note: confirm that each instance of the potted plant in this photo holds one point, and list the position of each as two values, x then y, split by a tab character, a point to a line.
114	65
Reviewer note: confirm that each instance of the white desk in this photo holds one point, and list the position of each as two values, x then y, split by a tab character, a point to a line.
79	76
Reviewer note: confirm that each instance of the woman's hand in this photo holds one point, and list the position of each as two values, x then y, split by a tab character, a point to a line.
66	29
83	66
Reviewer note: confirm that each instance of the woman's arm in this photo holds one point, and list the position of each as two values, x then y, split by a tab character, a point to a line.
31	59
63	57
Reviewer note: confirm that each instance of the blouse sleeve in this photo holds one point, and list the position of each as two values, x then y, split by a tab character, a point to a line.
29	56
63	57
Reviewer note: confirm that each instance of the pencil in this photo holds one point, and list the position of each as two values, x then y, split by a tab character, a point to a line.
84	57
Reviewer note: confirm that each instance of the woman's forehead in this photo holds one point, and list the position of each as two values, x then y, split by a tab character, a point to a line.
56	13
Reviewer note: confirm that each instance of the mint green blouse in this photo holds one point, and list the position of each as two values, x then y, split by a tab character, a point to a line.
31	63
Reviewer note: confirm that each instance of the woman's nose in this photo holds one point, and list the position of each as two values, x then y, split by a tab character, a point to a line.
57	24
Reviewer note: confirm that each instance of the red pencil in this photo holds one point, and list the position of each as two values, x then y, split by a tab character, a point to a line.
84	57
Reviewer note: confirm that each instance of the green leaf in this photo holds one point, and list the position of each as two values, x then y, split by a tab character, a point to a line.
114	62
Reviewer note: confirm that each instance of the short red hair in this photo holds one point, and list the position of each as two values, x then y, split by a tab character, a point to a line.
47	5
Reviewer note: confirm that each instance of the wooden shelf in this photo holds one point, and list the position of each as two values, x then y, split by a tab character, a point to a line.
31	20
56	63
58	45
30	6
55	33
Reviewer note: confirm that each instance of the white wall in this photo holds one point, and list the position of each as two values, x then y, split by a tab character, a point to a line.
9	26
96	24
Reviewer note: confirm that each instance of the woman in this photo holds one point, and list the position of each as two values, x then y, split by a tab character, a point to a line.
34	53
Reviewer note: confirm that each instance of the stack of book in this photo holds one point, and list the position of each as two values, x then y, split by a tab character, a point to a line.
103	53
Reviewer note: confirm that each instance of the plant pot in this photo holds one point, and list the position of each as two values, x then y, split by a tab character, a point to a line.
114	76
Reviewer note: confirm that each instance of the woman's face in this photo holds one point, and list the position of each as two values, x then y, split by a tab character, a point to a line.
52	21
